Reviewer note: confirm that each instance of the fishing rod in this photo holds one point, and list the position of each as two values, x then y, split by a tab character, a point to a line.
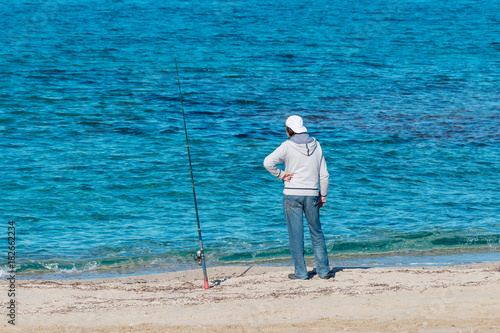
200	256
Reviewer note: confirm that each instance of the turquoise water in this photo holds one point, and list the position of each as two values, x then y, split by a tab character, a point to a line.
403	96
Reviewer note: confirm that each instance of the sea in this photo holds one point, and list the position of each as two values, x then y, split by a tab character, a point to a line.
403	95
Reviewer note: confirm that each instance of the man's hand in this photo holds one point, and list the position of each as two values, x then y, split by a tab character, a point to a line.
322	201
288	176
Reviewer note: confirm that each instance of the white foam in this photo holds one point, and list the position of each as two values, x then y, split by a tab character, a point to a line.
54	267
5	271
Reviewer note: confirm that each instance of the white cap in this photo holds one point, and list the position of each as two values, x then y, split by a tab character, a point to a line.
296	124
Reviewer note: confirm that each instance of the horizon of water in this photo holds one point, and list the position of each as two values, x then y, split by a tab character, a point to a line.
402	95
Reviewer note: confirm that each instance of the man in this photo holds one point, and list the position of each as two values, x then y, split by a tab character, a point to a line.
304	166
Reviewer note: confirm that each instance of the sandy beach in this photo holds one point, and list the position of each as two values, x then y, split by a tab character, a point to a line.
263	299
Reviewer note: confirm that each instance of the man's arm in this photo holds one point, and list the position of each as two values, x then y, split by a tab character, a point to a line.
276	157
323	181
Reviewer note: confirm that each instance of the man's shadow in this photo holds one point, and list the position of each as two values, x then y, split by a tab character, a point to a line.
335	270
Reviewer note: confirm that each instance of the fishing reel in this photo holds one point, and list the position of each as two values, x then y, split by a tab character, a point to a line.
197	257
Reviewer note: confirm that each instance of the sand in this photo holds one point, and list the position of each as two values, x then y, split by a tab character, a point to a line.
263	299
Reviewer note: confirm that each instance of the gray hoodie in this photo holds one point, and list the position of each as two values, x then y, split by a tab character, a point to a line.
302	156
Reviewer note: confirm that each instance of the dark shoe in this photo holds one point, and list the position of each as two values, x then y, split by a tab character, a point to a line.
326	277
293	277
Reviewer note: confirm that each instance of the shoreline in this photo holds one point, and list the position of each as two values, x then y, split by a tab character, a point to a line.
262	299
398	260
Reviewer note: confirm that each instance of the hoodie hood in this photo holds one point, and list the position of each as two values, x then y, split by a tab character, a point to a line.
304	143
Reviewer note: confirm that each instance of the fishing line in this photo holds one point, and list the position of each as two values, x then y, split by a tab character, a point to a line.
200	256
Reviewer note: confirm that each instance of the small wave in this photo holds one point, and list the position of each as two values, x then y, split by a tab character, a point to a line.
38	269
5	271
468	240
88	267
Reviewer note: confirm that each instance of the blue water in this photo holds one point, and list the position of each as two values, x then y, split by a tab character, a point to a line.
404	97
